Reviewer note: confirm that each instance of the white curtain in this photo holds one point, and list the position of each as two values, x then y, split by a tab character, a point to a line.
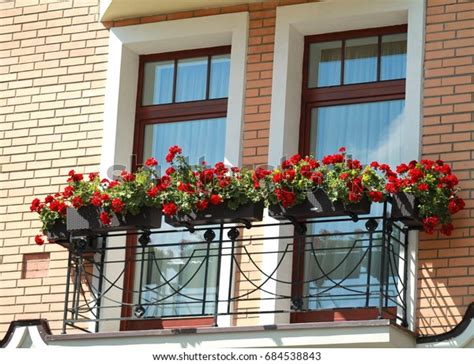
360	60
219	81
369	131
200	140
394	57
191	79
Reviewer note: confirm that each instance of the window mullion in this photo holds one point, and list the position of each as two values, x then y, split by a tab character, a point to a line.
208	77
343	60
379	57
175	75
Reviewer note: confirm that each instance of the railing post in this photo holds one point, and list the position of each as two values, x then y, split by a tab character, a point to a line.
101	281
405	279
209	235
68	282
371	226
382	260
219	256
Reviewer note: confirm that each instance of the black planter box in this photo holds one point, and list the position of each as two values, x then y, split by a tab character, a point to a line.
405	210
318	204
58	234
86	219
219	214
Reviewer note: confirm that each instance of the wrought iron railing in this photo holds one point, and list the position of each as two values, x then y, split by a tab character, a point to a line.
142	279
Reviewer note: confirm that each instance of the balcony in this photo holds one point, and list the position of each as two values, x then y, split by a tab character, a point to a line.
350	269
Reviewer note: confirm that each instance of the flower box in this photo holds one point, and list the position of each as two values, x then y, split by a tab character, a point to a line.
219	214
405	210
86	219
58	234
317	204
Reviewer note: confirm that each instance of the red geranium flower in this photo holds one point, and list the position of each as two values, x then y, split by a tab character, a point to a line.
49	199
277	177
215	199
152	192
169	208
376	196
39	240
317	178
423	187
202	204
105	218
36	205
93	176
127	177
172	153
151	162
77	202
75	177
447	229
170	170
429	224
68	191
117	205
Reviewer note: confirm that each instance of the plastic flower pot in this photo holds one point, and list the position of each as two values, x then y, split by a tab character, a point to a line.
57	233
317	204
86	219
405	210
219	214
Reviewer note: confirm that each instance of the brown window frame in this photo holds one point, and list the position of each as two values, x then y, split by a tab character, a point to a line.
166	113
339	95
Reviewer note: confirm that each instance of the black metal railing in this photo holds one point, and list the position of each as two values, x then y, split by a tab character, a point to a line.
124	280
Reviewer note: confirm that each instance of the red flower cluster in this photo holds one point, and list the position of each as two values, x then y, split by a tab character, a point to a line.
173	151
151	162
286	198
169	208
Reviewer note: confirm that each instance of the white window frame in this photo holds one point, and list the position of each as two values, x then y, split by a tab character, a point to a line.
295	22
126	44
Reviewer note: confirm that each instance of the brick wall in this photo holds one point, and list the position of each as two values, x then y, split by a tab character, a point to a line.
53	57
52	71
446	266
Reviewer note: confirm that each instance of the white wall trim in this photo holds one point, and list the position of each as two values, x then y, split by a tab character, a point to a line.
293	23
126	44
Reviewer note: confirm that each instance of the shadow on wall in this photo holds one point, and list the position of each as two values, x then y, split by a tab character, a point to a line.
444	293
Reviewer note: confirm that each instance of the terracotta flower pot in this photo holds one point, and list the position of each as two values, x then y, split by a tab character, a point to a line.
317	204
405	209
219	214
86	219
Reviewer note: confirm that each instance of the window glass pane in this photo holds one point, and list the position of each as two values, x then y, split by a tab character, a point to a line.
360	60
200	140
219	81
394	57
174	275
191	79
173	278
324	64
158	83
370	131
337	267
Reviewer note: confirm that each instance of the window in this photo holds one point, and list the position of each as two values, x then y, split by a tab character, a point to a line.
353	96
182	100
